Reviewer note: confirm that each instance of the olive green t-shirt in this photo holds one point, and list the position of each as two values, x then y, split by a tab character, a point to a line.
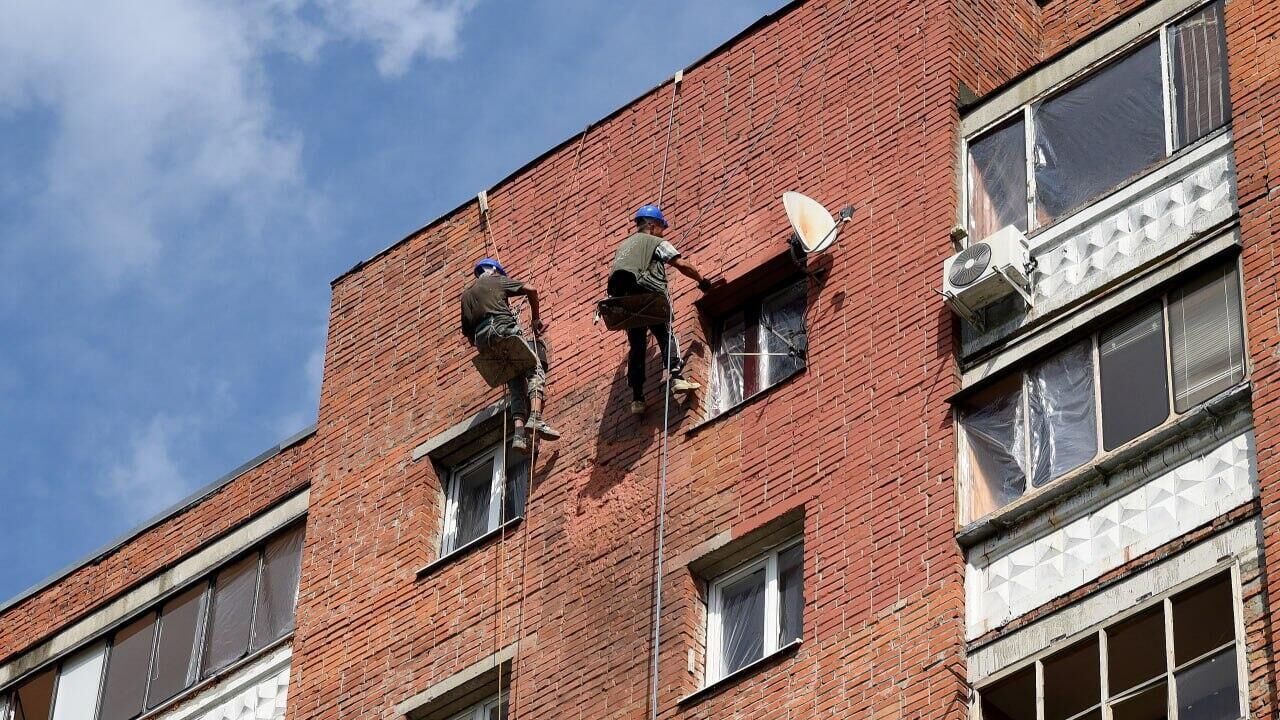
485	298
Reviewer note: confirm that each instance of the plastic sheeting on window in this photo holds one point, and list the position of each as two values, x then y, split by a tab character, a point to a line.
783	336
278	591
993	430
127	668
78	683
231	617
1199	94
1062	419
790	594
1099	133
727	384
177	652
998	180
742	622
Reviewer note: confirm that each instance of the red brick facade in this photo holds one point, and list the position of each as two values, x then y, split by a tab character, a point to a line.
847	102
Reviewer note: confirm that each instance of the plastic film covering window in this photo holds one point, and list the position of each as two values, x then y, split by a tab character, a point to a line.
1206	336
471	505
517	486
742	622
993	431
791	594
730	368
177	657
783	336
998	180
1099	133
127	668
231	616
278	592
1061	413
79	681
1201	98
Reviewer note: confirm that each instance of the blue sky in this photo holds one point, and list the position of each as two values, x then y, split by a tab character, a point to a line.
180	180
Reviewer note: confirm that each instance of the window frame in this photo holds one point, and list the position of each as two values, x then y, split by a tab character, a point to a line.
480	711
1164	296
751	310
1026	110
496	453
768	560
1098	631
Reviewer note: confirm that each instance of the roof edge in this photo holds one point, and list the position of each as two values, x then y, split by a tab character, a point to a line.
177	508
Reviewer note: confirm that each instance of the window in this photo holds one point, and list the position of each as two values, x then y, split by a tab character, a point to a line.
755	611
1033	427
1198	680
155	656
759	345
493	709
481	495
1099	132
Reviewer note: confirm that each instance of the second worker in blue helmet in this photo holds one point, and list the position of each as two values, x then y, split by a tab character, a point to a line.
639	267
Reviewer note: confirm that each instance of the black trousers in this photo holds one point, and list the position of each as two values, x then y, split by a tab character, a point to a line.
637	343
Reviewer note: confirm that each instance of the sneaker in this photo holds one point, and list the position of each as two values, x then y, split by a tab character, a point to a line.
519	443
637	407
545	431
680	385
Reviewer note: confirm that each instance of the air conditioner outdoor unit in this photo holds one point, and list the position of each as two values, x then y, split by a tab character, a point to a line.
987	271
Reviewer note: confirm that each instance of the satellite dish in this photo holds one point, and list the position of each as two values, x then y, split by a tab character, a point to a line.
815	229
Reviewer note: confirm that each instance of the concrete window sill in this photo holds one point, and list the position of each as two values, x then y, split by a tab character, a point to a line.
769	660
470	547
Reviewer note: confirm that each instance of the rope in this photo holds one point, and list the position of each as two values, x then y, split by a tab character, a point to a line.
666	151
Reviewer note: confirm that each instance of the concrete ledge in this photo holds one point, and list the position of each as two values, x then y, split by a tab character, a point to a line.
160	586
460	435
473	684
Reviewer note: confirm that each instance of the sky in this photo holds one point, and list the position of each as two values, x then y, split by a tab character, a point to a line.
180	180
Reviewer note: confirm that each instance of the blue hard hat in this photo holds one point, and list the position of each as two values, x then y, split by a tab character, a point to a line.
653	212
489	263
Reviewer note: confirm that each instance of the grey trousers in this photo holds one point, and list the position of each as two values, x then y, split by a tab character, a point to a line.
521	390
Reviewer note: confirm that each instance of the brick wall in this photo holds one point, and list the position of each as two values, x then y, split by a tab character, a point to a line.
94	584
862	439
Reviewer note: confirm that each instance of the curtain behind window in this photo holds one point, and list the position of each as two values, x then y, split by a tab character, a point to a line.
1198	58
742	622
472	504
1206	337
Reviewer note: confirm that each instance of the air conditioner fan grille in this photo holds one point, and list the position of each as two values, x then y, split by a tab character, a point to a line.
970	264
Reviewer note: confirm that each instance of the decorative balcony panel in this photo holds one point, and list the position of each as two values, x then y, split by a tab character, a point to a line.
256	692
1005	584
1133	227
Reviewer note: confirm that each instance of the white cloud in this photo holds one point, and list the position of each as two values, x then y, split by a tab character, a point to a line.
147	479
161	112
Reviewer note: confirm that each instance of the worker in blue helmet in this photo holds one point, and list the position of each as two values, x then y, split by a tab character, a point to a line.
487	317
639	267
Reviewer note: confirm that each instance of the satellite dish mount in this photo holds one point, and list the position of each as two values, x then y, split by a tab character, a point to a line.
814	229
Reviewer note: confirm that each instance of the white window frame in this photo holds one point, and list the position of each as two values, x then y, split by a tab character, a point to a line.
480	711
772	609
764	372
1160	34
1164	601
497	486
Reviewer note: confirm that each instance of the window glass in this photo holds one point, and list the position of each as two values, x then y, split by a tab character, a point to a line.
1203	619
127	668
231	616
472	493
513	495
1209	689
998	180
993	432
1061	413
791	594
497	711
1135	651
784	341
1135	393
34	699
1013	698
79	680
278	593
175	668
1099	133
1072	682
742	622
1149	704
1200	95
1206	337
728	386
